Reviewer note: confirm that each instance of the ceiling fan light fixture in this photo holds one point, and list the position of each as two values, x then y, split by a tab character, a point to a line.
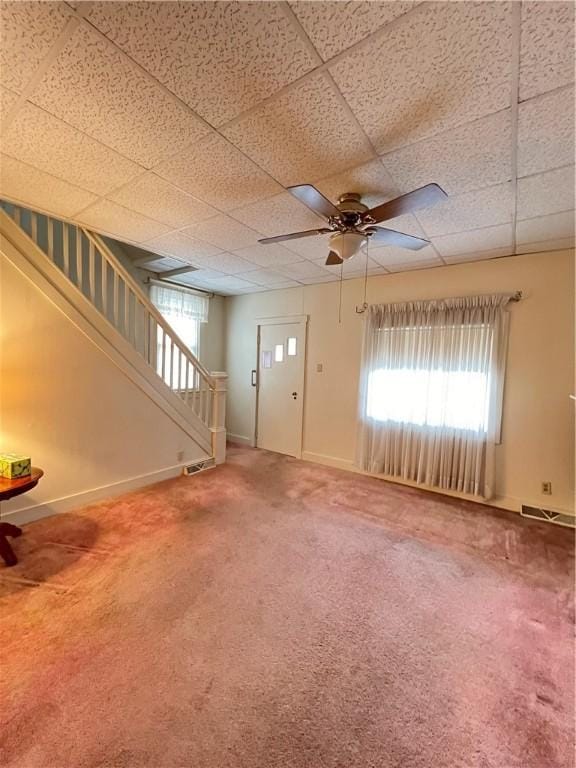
347	244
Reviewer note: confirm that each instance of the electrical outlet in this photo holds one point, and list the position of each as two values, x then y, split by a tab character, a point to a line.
547	488
319	367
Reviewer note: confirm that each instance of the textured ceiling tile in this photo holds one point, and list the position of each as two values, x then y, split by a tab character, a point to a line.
228	263
302	270
186	248
216	172
8	101
546	132
495	253
327	278
547	245
547	48
440	66
221	58
200	276
155	197
474	155
265	277
553	227
232	283
371	180
550	192
301	134
414	265
96	89
225	232
278	215
312	248
472	210
268	255
112	219
485	239
27	30
42	140
391	255
335	26
162	265
30	186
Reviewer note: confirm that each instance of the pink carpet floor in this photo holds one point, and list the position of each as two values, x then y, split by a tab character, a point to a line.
274	613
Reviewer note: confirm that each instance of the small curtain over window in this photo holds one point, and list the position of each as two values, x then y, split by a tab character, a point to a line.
431	391
184	312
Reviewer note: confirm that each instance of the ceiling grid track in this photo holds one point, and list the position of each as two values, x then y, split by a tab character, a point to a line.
514	101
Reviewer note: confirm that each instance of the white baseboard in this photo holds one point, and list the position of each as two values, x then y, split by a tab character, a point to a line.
84	498
508	503
240	439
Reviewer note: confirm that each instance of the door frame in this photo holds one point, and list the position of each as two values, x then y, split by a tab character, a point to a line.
302	321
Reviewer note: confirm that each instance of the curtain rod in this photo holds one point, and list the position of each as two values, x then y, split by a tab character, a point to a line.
180	287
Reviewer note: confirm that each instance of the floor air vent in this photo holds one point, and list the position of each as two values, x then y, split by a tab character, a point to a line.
191	469
537	513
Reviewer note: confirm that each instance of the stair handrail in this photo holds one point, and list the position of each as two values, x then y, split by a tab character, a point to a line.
145	300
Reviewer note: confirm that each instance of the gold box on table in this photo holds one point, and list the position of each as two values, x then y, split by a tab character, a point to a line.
13	466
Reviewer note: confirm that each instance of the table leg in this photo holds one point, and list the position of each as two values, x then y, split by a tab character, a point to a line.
6	551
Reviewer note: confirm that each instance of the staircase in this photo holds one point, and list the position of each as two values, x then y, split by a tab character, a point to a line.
83	277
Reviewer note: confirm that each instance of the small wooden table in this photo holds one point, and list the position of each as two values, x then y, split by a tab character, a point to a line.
8	489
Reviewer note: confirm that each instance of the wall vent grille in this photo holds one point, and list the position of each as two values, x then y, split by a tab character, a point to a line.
558	518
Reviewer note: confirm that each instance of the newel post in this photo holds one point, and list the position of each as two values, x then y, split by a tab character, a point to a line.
218	425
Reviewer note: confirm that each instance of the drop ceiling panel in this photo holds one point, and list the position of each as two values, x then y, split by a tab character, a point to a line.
265	277
547	48
279	215
268	255
472	210
29	30
199	277
233	285
555	226
225	232
391	255
485	239
186	248
300	134
547	245
228	263
162	265
354	267
42	140
219	174
442	65
111	219
8	100
371	180
221	58
92	86
410	265
34	188
472	156
335	26
311	248
551	192
302	269
546	132
462	258
153	196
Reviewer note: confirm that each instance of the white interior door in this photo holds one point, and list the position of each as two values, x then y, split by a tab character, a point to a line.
281	387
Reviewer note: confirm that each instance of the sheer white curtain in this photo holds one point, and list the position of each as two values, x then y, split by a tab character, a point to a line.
431	391
183	311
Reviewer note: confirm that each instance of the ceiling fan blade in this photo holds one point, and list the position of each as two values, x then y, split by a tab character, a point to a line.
333	259
383	236
412	201
314	200
293	236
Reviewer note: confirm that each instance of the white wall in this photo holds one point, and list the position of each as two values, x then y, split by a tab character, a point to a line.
538	424
63	402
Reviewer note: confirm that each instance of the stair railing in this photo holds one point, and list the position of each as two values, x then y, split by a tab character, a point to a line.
92	268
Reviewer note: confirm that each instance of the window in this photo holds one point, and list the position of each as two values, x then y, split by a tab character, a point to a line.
183	311
452	394
279	353
292	346
431	391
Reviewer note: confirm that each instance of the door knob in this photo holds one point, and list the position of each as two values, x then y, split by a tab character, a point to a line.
294	395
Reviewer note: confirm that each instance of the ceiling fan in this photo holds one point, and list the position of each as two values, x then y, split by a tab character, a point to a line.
351	223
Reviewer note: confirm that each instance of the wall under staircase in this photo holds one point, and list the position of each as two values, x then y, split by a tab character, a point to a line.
94	384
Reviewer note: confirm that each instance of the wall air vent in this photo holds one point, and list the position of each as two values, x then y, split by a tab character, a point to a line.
559	518
191	469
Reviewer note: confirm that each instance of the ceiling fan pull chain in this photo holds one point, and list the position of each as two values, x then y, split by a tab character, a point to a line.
340	296
364	306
